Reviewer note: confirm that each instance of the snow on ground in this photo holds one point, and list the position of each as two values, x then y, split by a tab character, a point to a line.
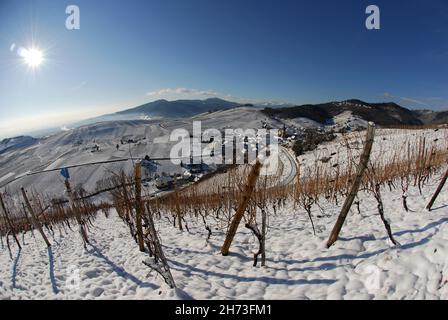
387	144
139	137
303	123
16	143
7	176
361	265
347	119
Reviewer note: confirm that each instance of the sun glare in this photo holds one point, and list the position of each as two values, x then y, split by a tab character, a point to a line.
33	57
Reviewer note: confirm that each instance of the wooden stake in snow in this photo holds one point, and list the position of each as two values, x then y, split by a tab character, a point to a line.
139	205
263	237
8	220
247	193
439	188
34	219
178	211
354	189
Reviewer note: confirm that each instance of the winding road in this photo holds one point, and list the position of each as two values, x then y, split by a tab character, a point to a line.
289	165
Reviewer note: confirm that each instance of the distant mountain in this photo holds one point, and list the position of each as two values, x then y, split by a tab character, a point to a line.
384	114
179	108
274	105
432	117
10	144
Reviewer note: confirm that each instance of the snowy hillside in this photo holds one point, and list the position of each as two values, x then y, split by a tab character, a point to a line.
98	142
298	264
16	143
179	108
363	263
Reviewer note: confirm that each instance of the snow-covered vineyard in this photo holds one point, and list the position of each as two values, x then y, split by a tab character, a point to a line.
362	264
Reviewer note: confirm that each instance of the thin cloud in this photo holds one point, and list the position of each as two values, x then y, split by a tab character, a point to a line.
183	91
406	99
188	93
29	123
79	86
435	103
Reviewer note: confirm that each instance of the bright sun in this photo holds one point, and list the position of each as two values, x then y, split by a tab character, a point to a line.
33	57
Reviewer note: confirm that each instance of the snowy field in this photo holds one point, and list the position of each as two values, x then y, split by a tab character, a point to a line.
388	143
363	264
77	146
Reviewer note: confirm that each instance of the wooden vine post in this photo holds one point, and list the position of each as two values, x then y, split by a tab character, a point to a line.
177	205
34	219
355	186
439	189
263	237
247	193
8	220
139	205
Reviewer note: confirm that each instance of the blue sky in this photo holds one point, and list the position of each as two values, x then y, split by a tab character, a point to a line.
131	52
